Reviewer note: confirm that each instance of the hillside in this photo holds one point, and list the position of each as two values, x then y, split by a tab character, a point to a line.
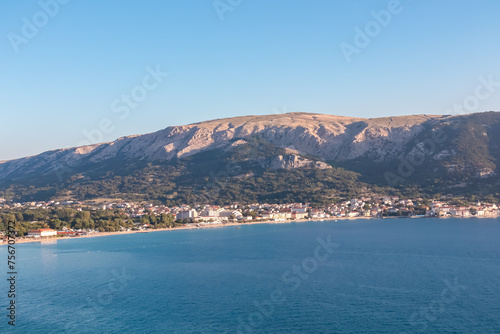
293	157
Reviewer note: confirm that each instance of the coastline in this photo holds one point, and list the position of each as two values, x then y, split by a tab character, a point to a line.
207	226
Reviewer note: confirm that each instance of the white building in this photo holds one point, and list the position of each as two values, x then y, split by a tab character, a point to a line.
300	209
186	214
228	213
210	213
45	232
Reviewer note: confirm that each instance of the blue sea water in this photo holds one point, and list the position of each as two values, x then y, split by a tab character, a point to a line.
360	276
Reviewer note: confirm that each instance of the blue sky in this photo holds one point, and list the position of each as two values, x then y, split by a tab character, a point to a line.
60	81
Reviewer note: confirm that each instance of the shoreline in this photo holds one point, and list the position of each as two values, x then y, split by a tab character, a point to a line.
193	227
106	234
207	226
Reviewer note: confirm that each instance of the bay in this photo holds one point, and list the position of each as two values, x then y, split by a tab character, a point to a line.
381	276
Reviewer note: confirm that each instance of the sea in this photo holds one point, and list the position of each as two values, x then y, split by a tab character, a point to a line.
350	276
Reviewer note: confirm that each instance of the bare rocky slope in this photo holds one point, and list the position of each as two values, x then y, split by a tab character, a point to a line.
429	151
327	137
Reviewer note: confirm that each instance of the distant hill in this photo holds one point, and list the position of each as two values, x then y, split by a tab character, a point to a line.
284	157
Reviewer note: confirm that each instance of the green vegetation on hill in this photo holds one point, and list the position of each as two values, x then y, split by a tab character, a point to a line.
217	176
57	218
457	155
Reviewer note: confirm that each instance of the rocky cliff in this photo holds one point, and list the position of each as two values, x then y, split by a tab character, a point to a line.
432	152
327	137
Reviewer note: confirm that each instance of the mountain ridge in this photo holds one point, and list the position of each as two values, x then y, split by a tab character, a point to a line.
369	147
228	119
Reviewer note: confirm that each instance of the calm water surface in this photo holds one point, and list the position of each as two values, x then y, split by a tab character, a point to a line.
382	276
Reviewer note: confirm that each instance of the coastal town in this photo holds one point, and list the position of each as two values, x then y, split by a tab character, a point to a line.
189	216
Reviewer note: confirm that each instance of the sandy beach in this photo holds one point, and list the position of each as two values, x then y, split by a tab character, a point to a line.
201	226
207	226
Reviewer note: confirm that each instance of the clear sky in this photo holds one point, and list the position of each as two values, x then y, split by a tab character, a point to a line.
68	68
